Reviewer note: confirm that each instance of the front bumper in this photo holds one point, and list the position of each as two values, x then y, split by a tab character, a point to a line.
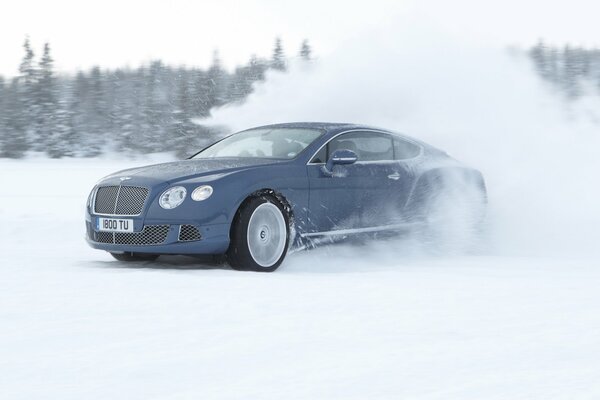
158	237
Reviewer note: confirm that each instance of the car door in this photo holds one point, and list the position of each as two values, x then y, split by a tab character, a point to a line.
357	195
401	178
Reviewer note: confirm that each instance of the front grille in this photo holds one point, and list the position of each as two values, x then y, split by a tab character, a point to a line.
120	200
188	233
151	235
106	198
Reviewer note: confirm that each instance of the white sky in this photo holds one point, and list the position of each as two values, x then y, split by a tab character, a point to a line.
125	32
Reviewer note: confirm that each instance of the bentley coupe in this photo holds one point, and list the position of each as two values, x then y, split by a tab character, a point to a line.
256	194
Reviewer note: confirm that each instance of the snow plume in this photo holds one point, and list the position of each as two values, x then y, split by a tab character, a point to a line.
484	106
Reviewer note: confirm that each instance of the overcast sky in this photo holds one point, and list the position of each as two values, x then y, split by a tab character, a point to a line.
114	33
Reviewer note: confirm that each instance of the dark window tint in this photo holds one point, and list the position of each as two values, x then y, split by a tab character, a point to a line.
280	143
404	150
368	146
321	156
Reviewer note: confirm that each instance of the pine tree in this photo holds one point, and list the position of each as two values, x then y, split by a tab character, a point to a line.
3	97
128	110
26	68
181	131
216	83
553	70
257	68
278	59
157	108
51	127
97	114
77	108
570	78
13	142
27	96
200	107
305	51
240	84
123	104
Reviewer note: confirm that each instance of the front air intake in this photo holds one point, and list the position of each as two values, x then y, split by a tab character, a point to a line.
151	235
189	233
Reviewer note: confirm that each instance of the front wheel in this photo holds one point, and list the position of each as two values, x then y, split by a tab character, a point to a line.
131	257
259	235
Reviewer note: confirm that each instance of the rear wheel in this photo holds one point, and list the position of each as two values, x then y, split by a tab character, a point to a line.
259	235
130	257
454	218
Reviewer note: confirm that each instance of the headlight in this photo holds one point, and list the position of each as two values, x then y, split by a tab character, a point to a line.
172	197
202	193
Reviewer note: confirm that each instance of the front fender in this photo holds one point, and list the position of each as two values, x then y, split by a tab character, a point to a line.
230	191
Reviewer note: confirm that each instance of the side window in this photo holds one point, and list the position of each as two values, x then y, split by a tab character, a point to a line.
321	156
404	150
368	146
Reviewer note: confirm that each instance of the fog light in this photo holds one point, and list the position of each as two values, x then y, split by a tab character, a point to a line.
202	193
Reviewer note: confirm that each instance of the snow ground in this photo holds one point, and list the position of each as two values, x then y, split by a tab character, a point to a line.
339	322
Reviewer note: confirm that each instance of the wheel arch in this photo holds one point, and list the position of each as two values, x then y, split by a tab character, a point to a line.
265	192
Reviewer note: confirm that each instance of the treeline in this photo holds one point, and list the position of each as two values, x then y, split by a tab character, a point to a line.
143	110
574	71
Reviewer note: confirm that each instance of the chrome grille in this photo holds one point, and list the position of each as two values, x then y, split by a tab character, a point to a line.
120	200
188	233
151	235
106	198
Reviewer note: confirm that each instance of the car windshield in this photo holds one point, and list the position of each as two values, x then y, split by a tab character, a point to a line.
279	143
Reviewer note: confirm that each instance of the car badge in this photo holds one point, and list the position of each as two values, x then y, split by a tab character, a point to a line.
124	178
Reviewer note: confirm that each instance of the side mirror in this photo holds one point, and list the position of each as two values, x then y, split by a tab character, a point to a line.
340	157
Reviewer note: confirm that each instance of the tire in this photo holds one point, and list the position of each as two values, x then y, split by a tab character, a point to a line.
260	235
133	257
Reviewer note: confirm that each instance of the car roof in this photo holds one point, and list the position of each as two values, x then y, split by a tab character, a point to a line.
328	127
333	128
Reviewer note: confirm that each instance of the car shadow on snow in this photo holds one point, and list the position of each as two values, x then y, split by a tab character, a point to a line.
171	263
339	257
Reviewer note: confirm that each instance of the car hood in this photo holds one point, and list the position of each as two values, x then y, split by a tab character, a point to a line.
181	170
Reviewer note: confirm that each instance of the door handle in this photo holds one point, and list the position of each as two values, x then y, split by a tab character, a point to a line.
395	176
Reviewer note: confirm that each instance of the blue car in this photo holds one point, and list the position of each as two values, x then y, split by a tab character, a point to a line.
256	194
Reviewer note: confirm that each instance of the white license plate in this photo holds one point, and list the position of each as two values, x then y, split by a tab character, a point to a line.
114	225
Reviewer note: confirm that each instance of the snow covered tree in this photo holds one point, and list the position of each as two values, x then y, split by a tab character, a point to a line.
3	116
146	109
51	126
240	85
13	141
27	96
89	113
182	129
278	60
200	105
571	70
257	68
157	107
305	51
216	83
570	77
2	104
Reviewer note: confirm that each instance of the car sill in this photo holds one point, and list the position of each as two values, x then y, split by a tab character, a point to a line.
340	232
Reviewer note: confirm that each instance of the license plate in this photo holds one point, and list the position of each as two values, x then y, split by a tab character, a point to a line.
114	225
